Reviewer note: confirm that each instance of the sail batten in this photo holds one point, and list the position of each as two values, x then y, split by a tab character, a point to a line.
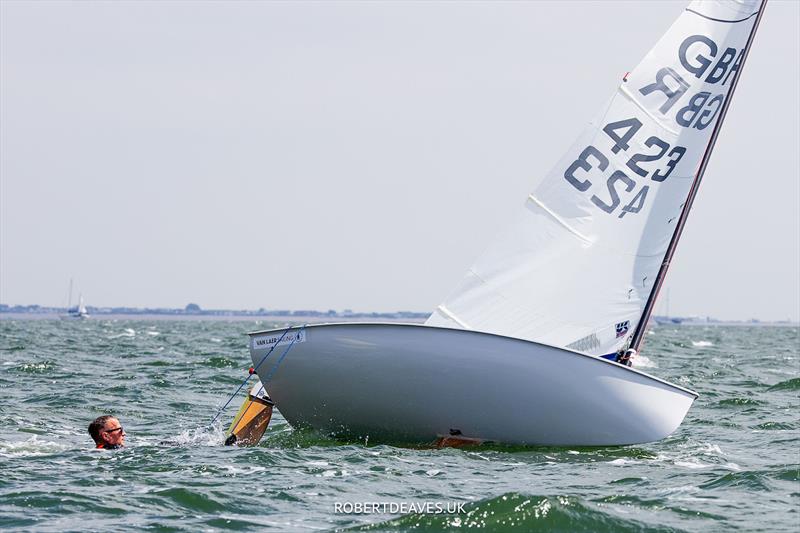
558	219
748	17
620	190
449	314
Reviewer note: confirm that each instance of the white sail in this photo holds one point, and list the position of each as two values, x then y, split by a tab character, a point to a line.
577	265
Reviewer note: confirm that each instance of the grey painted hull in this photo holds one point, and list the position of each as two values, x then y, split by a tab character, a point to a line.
412	383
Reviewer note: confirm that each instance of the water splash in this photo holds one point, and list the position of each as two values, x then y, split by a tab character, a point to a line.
33	447
204	436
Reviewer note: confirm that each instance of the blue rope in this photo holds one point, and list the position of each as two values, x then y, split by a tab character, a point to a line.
280	359
275	366
249	375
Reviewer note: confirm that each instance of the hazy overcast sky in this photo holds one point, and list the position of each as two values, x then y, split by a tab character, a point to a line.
350	155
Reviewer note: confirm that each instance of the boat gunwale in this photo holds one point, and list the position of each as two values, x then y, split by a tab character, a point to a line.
472	331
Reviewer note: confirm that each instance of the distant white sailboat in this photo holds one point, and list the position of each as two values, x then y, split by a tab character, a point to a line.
79	312
533	345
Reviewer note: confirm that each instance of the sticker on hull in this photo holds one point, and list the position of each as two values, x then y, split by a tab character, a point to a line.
268	341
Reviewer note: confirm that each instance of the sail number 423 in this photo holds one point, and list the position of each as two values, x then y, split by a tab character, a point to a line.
621	133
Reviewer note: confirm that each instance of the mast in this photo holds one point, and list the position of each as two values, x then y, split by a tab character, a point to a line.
641	327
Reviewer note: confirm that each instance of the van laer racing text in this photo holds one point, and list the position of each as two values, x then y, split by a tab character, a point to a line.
268	341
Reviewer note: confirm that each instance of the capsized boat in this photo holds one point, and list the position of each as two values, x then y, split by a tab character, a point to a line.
416	383
534	344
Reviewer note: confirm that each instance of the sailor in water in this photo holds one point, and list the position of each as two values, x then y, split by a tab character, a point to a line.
107	433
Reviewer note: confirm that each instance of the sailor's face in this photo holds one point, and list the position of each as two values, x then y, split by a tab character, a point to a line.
113	433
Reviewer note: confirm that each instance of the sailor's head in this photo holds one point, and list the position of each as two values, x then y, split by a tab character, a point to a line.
107	432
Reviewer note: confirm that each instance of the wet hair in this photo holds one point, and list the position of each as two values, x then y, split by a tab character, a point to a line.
98	424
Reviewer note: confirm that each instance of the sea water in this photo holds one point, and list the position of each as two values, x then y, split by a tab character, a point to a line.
734	463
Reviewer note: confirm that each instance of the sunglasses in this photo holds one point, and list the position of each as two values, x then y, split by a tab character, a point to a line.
113	430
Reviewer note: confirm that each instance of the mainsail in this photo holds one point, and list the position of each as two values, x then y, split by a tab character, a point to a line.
578	265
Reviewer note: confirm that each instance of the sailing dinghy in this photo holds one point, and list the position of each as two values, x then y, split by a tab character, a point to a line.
531	347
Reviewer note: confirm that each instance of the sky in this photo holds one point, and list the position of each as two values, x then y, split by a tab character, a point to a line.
351	155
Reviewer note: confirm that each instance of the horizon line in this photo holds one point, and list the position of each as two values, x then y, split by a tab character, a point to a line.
195	310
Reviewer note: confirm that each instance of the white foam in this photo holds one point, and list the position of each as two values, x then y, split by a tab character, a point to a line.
129	332
642	361
32	447
35	366
235	470
335	473
205	436
692	465
619	462
702	344
712	449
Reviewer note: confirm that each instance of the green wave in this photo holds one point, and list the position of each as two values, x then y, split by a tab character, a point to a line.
515	512
220	362
769	426
282	435
739	401
193	500
792	474
789	384
747	479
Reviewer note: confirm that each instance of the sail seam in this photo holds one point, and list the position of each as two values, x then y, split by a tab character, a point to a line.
480	278
624	90
560	220
721	20
449	314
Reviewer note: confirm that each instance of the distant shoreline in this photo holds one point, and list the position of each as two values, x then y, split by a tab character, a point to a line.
194	312
277	319
320	318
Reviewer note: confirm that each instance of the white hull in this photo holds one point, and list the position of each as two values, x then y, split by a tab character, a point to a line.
74	317
412	383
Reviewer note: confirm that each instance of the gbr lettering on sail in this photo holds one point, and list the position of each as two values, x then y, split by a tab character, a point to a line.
659	123
697	54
